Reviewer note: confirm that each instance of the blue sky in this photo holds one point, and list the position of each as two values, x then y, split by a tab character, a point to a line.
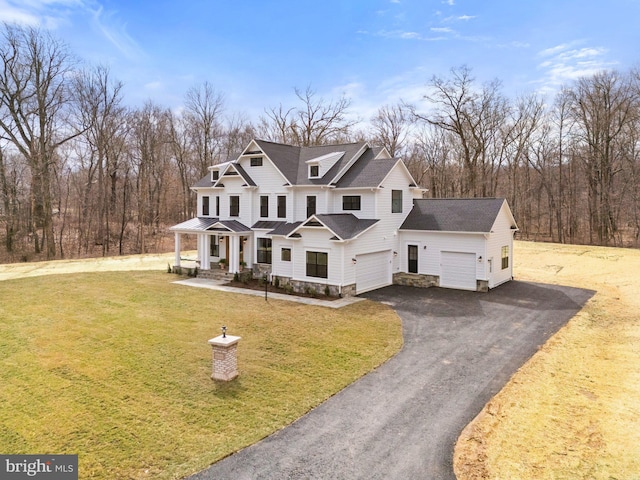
373	51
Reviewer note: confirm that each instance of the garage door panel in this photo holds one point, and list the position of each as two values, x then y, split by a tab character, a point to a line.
373	270
458	270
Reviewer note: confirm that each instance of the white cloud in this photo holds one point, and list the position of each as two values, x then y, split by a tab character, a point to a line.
46	13
565	63
441	29
116	34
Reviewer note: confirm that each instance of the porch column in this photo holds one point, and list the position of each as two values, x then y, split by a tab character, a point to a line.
205	263
234	253
176	261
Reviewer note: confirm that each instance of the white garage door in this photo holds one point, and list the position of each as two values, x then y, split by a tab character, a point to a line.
373	270
458	270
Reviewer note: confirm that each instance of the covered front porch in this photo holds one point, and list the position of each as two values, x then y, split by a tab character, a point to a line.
223	244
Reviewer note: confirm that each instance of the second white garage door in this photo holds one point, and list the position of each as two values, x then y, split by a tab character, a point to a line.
373	270
458	270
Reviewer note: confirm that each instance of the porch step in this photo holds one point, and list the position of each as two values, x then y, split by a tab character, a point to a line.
216	274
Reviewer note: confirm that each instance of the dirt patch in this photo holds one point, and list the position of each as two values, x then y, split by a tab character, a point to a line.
572	411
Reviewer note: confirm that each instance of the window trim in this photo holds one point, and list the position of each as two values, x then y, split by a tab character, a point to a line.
255	161
351	202
264	250
264	206
315	205
312	169
282	206
217	205
282	255
312	269
234	205
395	206
205	205
504	252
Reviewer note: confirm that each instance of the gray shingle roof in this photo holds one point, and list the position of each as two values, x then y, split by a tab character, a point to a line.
243	173
453	215
345	225
290	160
285	228
204	181
367	172
267	224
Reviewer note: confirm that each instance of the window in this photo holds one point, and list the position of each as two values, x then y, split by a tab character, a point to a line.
314	171
282	206
317	264
264	250
505	257
351	202
217	206
311	205
215	174
214	246
256	161
396	201
264	206
234	206
285	254
205	206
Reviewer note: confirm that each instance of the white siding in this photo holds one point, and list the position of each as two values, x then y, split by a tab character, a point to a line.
501	236
271	183
300	202
279	267
367	202
430	258
317	240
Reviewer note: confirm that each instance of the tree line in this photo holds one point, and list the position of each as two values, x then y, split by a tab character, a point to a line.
83	174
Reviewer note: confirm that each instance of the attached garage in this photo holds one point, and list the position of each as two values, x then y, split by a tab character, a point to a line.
458	270
373	270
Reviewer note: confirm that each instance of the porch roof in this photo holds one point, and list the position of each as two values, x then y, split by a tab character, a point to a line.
202	224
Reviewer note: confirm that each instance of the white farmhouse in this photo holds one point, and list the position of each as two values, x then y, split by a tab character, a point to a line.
347	217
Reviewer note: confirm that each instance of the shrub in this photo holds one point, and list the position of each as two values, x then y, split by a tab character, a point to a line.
236	277
327	291
276	282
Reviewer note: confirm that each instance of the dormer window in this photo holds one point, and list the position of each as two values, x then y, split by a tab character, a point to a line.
215	175
256	161
314	171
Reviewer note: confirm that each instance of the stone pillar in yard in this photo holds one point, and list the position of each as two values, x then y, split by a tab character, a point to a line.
225	358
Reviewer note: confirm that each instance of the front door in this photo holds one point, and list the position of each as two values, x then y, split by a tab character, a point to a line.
242	239
226	248
412	255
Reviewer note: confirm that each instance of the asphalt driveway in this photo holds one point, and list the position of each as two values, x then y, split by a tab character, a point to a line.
402	420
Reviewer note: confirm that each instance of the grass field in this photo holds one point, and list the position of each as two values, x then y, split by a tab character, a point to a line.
573	411
115	367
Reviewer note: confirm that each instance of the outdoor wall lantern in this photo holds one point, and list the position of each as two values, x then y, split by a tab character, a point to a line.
353	261
395	254
480	259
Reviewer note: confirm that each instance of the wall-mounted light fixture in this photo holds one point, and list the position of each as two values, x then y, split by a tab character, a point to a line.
480	259
395	254
353	261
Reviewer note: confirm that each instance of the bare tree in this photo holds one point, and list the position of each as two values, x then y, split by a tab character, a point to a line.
315	122
34	101
391	128
474	117
204	107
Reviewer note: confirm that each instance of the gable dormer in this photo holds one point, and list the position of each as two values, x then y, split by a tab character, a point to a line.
319	166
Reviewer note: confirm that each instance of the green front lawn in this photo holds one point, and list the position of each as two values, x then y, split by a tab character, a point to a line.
116	368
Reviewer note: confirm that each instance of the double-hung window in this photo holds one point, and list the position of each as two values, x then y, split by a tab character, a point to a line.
264	250
234	206
205	206
282	206
505	257
264	206
396	201
317	264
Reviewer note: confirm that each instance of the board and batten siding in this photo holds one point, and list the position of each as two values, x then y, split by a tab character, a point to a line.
300	201
501	236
